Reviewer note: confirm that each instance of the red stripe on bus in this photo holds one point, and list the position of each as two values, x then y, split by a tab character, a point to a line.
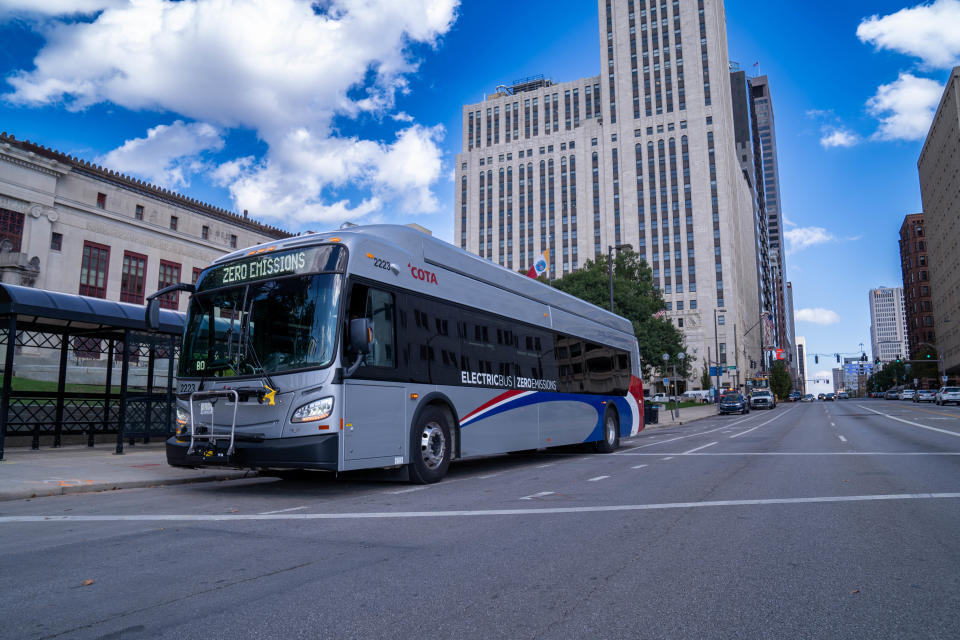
496	400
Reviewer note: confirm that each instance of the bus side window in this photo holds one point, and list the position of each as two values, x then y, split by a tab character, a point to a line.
379	311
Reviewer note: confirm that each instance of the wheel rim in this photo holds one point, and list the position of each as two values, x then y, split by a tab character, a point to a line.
433	445
611	430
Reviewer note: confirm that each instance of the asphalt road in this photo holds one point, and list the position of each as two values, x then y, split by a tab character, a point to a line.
824	520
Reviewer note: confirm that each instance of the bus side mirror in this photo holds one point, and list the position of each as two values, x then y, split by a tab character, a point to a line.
361	335
152	315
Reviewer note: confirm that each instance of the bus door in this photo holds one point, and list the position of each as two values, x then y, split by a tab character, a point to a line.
373	405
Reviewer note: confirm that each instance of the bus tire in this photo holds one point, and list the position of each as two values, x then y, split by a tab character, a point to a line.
431	447
611	432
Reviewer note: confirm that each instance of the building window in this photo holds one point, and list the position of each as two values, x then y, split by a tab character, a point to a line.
205	232
56	241
196	274
93	270
101	201
133	277
11	228
169	274
138	212
173	222
233	241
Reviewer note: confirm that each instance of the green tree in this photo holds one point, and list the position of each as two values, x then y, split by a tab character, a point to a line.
705	379
636	299
780	381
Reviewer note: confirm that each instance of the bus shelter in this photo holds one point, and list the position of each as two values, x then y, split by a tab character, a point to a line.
60	352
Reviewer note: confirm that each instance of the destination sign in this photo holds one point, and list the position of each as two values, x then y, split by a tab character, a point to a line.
273	264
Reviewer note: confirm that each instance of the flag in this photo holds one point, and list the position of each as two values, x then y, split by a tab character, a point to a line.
540	266
660	314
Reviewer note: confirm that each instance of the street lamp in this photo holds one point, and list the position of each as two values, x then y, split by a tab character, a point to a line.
610	250
676	400
716	344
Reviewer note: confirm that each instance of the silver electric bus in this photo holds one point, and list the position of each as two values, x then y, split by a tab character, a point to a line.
380	346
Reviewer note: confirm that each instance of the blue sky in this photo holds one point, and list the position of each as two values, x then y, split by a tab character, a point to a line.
351	110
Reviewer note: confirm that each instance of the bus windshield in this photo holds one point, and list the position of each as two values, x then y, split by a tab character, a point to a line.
262	328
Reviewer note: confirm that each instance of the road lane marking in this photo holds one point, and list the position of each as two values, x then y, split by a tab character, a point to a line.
915	424
269	513
737	435
541	466
939	413
380	515
639	466
686	453
411	490
598	478
691	435
842	439
811	453
667	458
537	495
833	424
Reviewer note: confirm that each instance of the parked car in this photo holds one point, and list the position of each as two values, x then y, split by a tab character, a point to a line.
700	395
843	395
734	403
925	395
762	399
948	394
891	394
807	398
907	394
794	396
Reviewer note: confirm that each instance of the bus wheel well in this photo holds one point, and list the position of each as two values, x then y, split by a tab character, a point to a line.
611	431
442	403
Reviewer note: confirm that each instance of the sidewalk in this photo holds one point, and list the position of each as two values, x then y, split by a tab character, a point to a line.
687	414
25	473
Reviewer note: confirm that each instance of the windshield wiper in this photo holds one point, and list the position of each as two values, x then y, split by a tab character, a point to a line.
248	348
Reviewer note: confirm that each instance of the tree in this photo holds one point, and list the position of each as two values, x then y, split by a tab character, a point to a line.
636	299
780	381
705	380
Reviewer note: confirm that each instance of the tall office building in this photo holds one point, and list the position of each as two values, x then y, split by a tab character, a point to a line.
800	382
917	298
939	167
888	320
642	154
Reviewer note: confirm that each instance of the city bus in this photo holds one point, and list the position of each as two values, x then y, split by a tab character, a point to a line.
382	347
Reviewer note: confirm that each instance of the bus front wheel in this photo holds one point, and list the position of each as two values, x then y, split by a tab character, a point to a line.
430	446
611	433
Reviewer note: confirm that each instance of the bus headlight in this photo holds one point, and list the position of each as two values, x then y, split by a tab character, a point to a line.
316	410
183	422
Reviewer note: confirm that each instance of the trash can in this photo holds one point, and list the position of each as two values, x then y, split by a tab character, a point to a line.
651	413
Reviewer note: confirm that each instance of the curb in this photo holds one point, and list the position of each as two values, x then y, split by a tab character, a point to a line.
27	494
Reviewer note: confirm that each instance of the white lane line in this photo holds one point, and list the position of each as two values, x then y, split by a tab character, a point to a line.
537	495
915	424
541	466
598	478
812	453
686	453
269	513
668	457
691	435
488	476
411	490
373	515
842	439
833	424
737	435
639	466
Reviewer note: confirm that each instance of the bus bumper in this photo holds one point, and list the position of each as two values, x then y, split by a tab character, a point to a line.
307	452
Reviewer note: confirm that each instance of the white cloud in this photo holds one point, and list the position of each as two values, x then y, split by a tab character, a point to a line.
930	32
838	137
817	315
800	238
56	7
169	153
905	107
283	68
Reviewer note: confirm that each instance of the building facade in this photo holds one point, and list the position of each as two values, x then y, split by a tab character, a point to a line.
888	320
917	298
642	154
939	169
68	225
800	382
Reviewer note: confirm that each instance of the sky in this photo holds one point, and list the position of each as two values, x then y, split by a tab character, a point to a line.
312	113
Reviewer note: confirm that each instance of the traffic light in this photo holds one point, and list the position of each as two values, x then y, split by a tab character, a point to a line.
928	356
816	359
838	357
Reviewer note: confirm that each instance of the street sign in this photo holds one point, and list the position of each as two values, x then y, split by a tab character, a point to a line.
915	382
714	371
666	381
732	368
943	379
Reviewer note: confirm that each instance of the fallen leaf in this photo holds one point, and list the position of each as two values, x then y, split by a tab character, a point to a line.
234	510
87	582
855	591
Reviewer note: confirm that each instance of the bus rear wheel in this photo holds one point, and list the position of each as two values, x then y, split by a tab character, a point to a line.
430	447
611	433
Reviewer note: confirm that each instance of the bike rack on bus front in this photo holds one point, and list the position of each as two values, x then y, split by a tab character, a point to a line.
211	435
